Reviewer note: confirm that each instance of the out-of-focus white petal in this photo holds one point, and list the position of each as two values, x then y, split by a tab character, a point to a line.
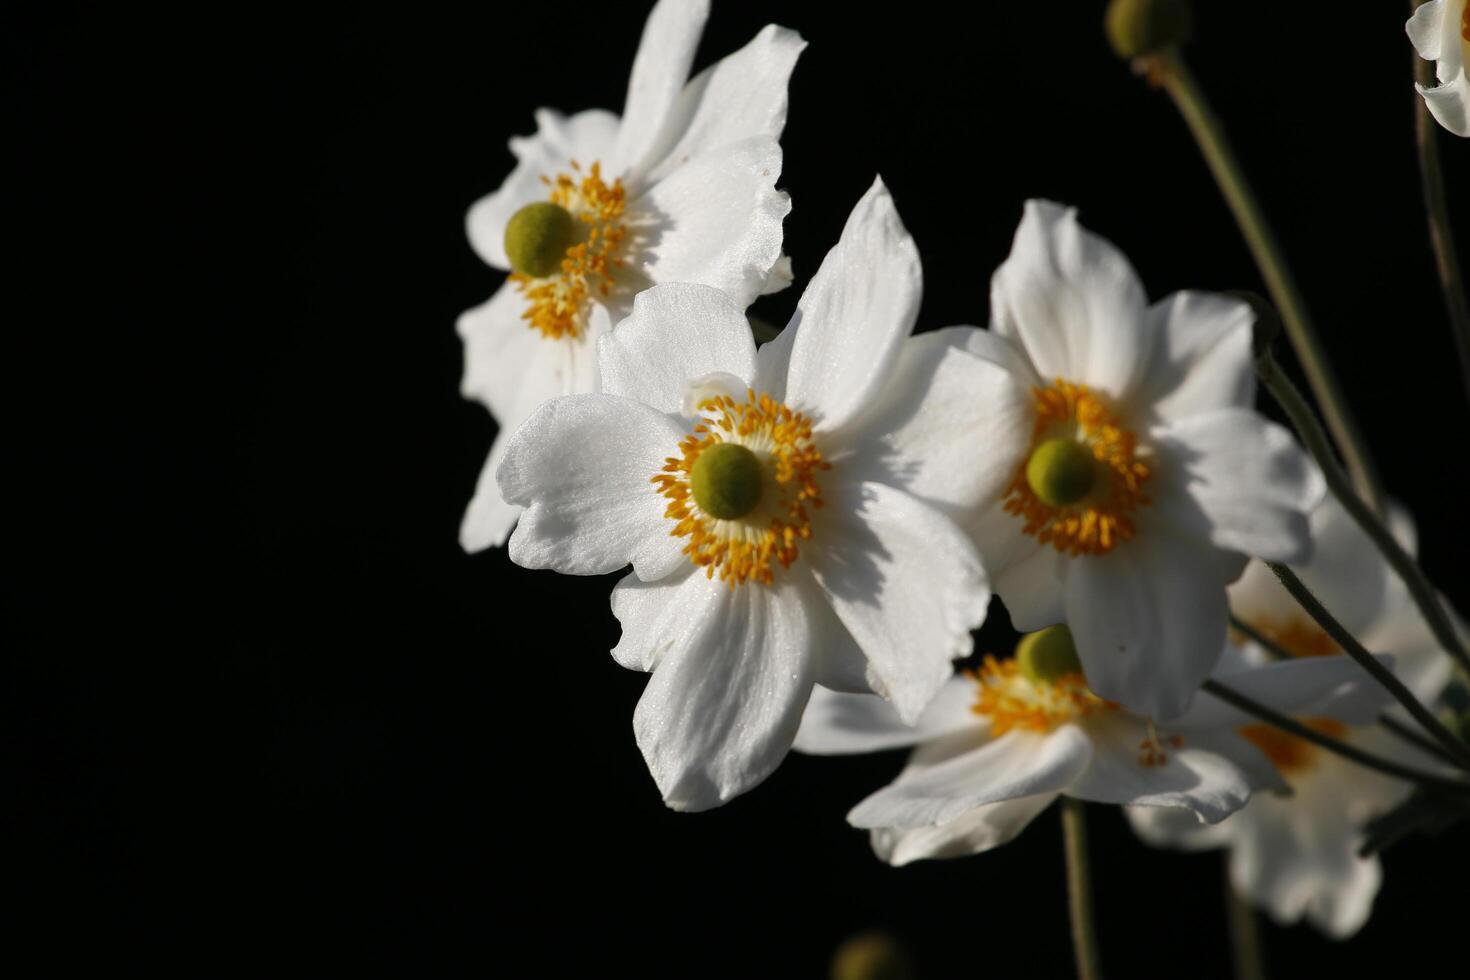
1205	774
722	707
1202	357
488	518
660	69
717	220
977	830
906	583
1305	685
581	467
1149	622
584	137
1237	481
1018	764
842	724
678	333
948	427
1178	827
740	96
1072	301
856	312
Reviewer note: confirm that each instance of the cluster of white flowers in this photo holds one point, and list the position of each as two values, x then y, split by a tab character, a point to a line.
816	525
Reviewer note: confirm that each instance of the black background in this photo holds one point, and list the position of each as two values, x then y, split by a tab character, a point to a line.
266	715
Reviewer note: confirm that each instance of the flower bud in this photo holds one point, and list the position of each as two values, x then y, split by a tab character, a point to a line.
872	956
726	481
1048	655
1061	472
537	238
1139	27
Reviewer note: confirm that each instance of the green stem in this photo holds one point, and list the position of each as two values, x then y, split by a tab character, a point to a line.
1247	950
1400	560
1436	207
1347	751
1079	890
1169	69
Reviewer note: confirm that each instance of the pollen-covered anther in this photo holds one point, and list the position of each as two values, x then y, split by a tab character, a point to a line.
1084	476
743	487
1151	750
1013	694
559	265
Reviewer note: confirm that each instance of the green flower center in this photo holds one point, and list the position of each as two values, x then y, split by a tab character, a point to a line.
537	238
1048	655
1061	472
726	481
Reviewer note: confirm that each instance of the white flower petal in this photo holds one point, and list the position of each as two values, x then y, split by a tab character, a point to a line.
1149	621
906	583
981	829
1424	29
1206	774
1202	358
581	466
1072	301
660	69
717	219
1449	103
584	137
948	427
722	709
1018	764
740	96
488	518
678	333
1333	685
842	724
1341	906
856	312
1179	827
1026	574
1238	481
659	616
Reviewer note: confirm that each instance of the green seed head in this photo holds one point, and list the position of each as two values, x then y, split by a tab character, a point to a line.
538	236
1061	472
1139	27
1048	655
726	481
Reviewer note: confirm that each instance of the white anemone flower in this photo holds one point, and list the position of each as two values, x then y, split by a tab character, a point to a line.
1440	32
1297	855
1149	477
1000	743
680	189
787	511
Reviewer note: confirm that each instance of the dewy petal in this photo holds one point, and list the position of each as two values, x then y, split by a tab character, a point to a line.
717	220
1018	764
981	829
905	581
723	705
660	69
1072	301
1149	619
740	96
678	333
843	724
581	466
1202	356
856	312
948	427
659	616
1207	774
584	137
1238	481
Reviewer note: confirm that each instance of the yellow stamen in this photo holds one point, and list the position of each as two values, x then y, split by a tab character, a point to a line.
1102	519
558	302
1288	752
1011	700
742	549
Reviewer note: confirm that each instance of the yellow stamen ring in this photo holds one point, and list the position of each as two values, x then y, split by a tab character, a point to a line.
1084	476
1011	700
590	262
743	487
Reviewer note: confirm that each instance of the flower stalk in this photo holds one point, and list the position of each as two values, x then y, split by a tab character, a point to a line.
1436	208
1247	953
1167	68
1079	890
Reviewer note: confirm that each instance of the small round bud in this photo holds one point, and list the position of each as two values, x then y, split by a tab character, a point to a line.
872	956
1139	27
538	236
1048	655
726	481
1061	472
